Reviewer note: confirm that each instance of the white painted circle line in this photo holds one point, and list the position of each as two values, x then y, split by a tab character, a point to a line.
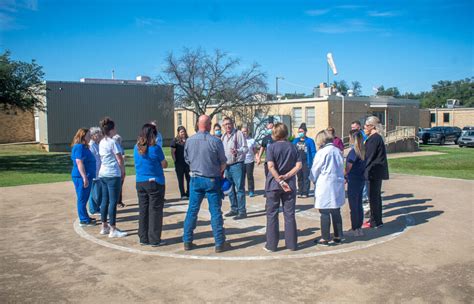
81	232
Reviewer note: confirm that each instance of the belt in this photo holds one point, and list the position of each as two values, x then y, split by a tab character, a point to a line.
240	162
194	174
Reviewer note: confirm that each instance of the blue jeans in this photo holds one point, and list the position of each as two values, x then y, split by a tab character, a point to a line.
354	193
96	197
365	191
200	187
82	198
235	174
111	187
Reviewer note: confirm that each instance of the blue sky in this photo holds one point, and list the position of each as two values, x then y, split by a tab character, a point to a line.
409	44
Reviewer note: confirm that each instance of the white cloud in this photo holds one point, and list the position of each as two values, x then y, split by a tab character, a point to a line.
381	14
8	9
317	12
348	26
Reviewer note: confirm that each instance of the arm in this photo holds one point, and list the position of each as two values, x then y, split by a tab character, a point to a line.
258	156
164	164
173	153
273	171
121	163
221	155
82	171
293	171
244	148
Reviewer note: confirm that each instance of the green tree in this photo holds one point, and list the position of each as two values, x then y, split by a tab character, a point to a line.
463	90
393	91
21	84
356	88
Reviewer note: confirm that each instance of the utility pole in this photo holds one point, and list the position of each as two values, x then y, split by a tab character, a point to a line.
276	79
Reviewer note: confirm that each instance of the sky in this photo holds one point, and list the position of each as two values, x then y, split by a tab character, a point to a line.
407	44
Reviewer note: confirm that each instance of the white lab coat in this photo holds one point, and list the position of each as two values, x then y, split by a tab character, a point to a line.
328	174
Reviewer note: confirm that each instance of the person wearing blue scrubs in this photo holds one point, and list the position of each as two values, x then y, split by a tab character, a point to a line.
354	174
83	171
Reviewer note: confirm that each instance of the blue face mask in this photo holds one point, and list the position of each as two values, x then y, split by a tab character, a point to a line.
269	131
301	135
218	132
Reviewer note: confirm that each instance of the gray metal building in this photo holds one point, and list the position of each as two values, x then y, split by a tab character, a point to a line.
72	105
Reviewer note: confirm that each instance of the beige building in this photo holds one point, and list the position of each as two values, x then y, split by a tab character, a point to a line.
320	112
16	126
458	117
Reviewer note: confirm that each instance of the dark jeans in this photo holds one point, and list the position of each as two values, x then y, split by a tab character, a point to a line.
111	187
182	172
375	200
288	200
211	188
82	198
248	171
326	215
235	174
96	197
151	197
355	189
303	180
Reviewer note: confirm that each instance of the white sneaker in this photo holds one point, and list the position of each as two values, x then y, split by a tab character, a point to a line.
116	233
105	231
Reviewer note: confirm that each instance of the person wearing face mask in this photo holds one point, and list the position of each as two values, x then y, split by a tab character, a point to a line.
217	131
306	150
266	141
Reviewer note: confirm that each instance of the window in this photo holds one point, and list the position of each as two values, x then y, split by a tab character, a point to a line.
180	119
310	116
219	117
445	117
380	116
297	116
433	117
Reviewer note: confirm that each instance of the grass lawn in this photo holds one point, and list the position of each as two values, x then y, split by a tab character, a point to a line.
28	164
454	163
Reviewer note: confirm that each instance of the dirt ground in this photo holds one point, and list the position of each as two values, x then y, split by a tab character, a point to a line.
424	252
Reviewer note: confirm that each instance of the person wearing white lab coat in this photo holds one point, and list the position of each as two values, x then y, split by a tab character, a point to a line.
327	173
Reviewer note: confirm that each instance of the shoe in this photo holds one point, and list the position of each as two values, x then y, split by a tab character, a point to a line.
84	224
105	231
304	196
321	242
378	226
230	213
116	233
268	250
224	247
145	243
352	232
337	240
300	195
251	194
360	232
240	216
160	243
184	198
188	246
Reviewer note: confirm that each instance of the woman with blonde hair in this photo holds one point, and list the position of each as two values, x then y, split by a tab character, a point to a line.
283	162
83	171
376	169
355	168
328	175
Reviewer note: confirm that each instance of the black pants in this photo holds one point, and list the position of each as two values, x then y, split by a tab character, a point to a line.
303	180
182	172
326	215
150	218
375	200
248	171
288	200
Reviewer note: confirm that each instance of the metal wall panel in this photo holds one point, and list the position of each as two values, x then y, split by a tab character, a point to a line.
71	105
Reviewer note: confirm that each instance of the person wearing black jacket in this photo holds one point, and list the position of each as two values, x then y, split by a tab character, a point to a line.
180	165
376	169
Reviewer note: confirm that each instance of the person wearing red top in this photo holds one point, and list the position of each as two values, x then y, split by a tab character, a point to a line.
336	141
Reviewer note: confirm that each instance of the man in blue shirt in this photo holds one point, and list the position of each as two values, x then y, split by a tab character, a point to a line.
306	150
207	161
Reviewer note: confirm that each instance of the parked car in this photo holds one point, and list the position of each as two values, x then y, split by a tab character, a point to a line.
468	128
467	138
441	135
423	135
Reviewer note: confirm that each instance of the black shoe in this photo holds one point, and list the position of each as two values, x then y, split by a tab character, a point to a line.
230	213
240	216
144	243
188	246
224	247
160	243
84	224
337	240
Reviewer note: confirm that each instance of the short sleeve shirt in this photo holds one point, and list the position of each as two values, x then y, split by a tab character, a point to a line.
148	166
109	167
179	153
266	141
285	156
80	151
358	166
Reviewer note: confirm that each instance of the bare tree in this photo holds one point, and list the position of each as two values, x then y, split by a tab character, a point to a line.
203	81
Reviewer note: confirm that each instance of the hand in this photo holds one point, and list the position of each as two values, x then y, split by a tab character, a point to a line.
86	182
257	160
285	186
284	177
233	151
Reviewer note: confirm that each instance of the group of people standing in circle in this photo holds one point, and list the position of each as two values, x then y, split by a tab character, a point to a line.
204	160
